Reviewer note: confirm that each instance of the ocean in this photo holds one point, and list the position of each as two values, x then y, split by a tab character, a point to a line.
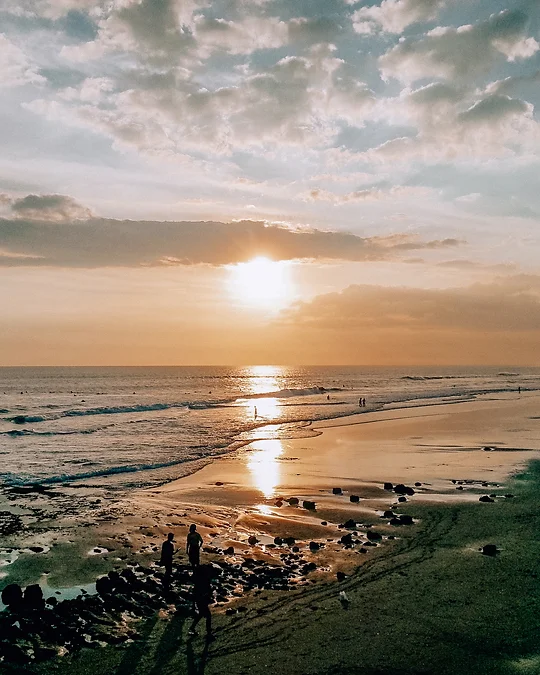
120	428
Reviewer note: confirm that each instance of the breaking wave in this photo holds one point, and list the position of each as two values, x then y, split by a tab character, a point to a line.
15	433
289	393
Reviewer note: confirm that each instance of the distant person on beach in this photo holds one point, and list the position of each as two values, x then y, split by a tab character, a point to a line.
328	397
363	403
167	552
255	412
193	546
202	596
519	390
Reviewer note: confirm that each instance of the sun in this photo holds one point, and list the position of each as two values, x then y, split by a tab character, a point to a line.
262	282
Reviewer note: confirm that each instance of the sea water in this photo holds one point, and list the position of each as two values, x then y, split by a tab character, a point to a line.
127	427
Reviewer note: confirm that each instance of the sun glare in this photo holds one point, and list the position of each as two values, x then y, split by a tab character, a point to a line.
262	282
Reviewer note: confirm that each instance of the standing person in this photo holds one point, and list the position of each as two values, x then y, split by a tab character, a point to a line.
167	552
193	546
202	595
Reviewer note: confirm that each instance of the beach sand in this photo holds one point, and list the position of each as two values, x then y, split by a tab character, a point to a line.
424	600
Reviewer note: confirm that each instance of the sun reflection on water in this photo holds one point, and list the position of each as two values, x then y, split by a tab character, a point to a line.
264	466
262	380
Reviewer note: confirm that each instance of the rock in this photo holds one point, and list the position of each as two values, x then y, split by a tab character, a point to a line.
218	482
350	524
104	586
354	498
487	448
278	503
406	520
337	491
341	576
309	568
252	540
509	496
395	521
293	501
314	546
290	541
18	419
388	514
388	486
33	597
417	484
489	549
346	539
373	536
12	596
278	541
310	506
402	499
485	498
36	549
323	522
459	487
295	549
229	551
401	489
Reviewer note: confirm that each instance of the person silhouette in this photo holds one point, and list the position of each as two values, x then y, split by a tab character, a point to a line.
194	543
202	595
167	552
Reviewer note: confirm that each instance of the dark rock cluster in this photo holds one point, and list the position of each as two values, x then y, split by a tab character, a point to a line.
34	628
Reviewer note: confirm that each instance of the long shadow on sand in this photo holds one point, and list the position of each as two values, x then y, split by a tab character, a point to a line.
196	666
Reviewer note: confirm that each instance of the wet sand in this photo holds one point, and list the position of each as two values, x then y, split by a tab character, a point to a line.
423	600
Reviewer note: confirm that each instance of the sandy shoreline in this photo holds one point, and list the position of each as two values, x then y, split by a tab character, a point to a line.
237	496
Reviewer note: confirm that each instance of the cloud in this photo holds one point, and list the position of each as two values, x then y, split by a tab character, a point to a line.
460	53
50	9
367	194
46	207
15	67
454	122
296	101
393	16
239	37
55	240
495	108
523	85
509	304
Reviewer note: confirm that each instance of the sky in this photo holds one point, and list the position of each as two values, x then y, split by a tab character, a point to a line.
269	181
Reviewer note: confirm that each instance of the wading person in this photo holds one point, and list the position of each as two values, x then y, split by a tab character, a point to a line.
193	546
